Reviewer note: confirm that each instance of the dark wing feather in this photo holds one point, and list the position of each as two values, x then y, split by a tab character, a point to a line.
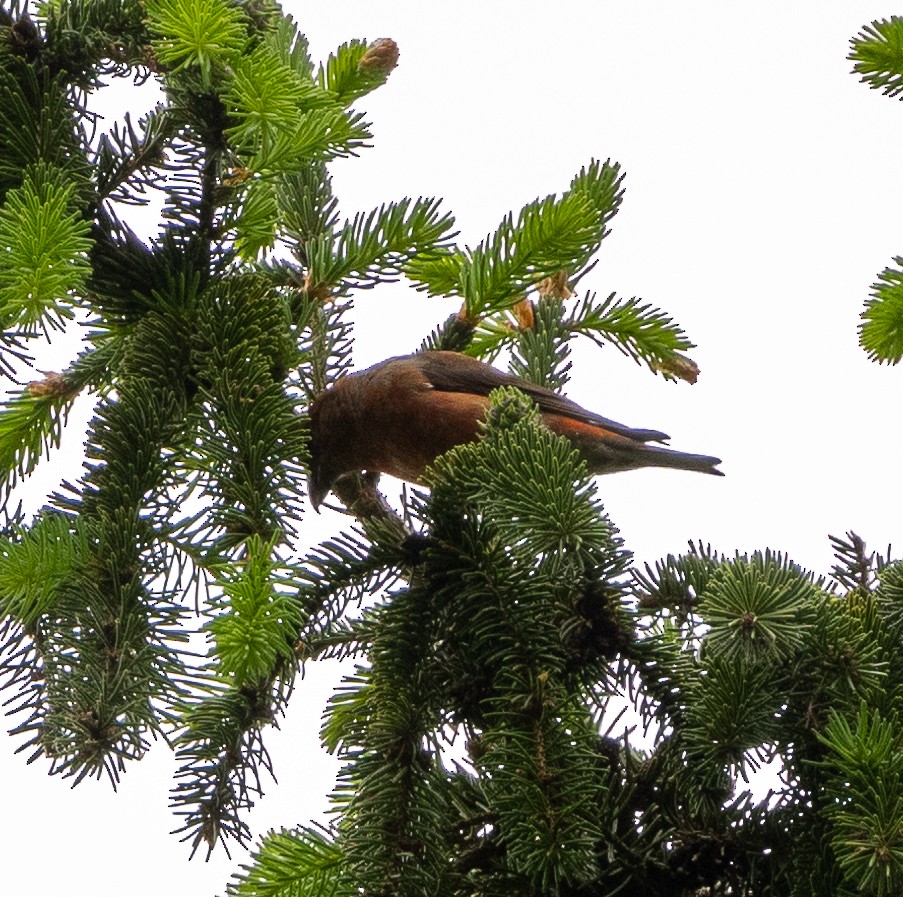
461	373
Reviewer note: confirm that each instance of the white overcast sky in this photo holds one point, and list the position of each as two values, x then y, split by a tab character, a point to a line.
763	196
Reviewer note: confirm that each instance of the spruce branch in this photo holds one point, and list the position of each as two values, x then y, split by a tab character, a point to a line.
392	830
730	711
602	182
88	40
453	335
108	622
325	342
289	44
266	93
197	35
439	275
307	206
847	658
357	67
224	758
881	330
856	570
250	438
304	862
35	564
877	54
31	424
639	331
45	263
547	236
758	608
676	582
282	117
890	595
541	353
375	247
126	159
40	123
255	621
865	799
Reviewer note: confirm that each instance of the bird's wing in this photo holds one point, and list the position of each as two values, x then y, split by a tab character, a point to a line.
454	372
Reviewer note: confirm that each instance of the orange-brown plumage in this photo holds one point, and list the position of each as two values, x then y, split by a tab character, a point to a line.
398	416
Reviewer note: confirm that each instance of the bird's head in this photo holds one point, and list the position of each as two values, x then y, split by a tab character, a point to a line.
326	451
319	481
317	489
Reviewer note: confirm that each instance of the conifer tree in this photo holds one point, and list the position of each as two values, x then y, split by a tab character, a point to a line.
499	606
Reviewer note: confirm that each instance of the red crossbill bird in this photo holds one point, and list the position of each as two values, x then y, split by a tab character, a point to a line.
398	416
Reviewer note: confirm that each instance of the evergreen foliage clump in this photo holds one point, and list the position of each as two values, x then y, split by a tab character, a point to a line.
497	620
877	54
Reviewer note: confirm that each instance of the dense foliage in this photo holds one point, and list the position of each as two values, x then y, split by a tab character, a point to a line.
497	619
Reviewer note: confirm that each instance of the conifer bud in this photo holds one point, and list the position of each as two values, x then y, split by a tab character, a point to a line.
524	314
556	286
53	386
381	56
677	365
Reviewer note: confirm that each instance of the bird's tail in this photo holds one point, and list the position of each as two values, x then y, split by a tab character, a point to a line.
659	456
606	451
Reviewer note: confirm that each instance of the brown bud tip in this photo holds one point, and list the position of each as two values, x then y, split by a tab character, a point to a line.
476	748
523	314
151	61
319	291
677	365
238	175
556	286
466	316
381	56
53	386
